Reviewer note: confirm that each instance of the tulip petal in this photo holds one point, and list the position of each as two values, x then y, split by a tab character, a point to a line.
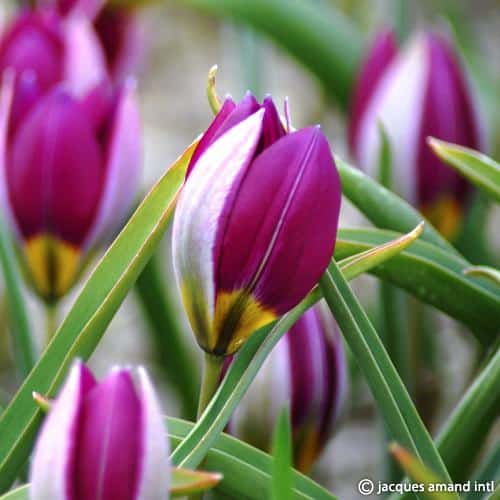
397	103
33	43
448	115
154	479
6	92
84	60
198	216
55	170
53	463
109	445
208	136
270	244
123	38
122	169
382	52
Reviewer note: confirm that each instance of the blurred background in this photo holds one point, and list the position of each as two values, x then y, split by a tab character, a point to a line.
181	42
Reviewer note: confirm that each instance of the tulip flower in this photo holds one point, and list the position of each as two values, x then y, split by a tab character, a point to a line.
43	50
416	92
68	174
102	440
307	369
118	29
255	224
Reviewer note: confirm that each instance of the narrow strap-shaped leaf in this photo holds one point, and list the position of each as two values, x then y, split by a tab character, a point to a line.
282	480
18	319
480	169
392	398
384	208
92	312
435	276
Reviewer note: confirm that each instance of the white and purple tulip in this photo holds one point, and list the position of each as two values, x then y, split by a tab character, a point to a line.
255	224
416	92
118	28
102	441
69	171
307	369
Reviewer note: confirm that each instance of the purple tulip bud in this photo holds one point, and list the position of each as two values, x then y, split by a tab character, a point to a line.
307	369
102	440
45	49
68	176
415	93
255	224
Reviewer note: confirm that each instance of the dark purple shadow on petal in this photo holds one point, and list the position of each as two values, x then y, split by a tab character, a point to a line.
55	170
272	128
383	50
109	448
448	115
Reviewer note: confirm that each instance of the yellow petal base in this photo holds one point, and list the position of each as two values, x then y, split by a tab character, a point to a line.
247	314
445	214
53	265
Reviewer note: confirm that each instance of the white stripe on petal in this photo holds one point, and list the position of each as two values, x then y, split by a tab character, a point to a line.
85	63
123	167
199	207
155	471
397	103
6	93
49	474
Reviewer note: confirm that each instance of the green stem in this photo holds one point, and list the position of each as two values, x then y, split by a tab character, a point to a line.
50	321
212	368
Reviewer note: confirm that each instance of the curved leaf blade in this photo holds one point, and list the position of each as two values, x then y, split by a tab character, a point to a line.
93	310
434	276
481	170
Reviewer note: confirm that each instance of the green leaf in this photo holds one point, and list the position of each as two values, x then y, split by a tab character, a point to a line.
169	340
89	317
187	482
420	474
282	480
490	468
384	208
245	468
484	272
470	422
392	398
319	36
183	482
241	373
21	333
434	276
478	168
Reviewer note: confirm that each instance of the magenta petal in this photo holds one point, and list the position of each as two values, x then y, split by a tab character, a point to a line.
84	60
448	115
33	43
52	466
109	444
382	52
208	136
271	241
272	128
55	170
6	94
122	168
